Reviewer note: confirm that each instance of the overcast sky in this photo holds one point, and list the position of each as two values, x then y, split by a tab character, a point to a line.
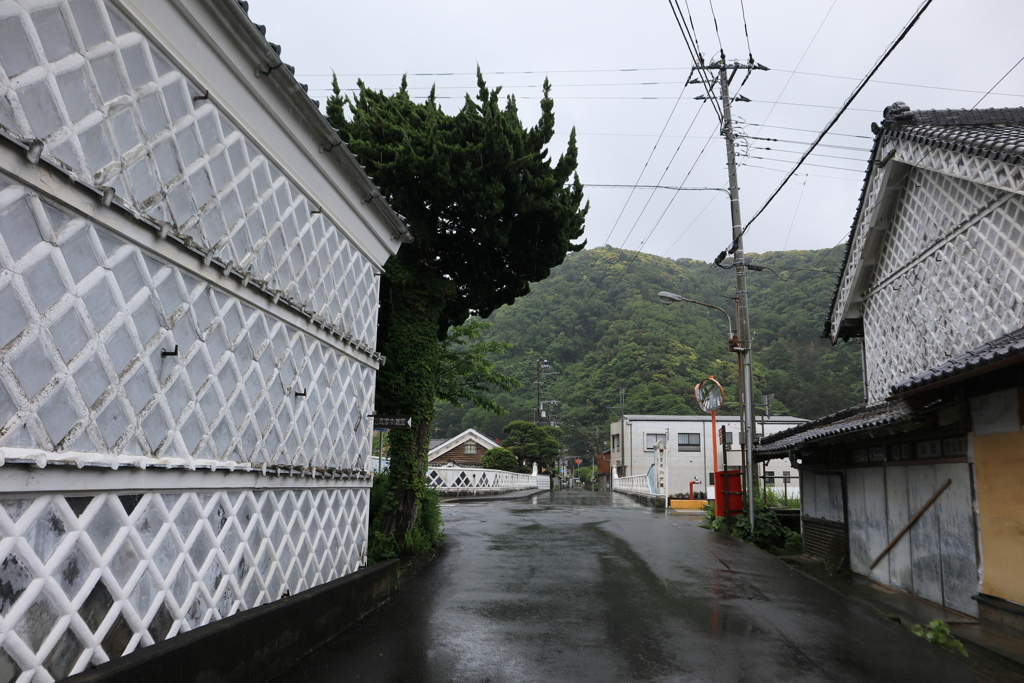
618	70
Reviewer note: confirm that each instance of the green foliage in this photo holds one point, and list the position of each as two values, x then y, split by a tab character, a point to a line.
937	632
601	327
500	459
425	534
532	443
489	213
768	534
585	474
770	497
465	371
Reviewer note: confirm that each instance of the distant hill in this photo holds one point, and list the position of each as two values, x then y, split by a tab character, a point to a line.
598	322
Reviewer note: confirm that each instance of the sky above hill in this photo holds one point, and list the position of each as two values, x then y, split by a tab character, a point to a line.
618	72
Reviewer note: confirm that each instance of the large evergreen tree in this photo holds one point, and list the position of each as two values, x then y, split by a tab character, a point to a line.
489	214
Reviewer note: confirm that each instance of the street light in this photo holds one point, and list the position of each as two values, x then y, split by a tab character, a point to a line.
746	363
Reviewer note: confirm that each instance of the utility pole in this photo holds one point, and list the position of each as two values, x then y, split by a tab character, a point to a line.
742	304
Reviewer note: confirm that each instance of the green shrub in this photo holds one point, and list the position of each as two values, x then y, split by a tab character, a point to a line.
937	632
500	459
425	534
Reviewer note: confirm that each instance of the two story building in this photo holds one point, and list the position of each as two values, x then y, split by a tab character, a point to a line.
689	456
920	487
189	262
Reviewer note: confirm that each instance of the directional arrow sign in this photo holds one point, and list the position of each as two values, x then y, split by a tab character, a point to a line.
392	422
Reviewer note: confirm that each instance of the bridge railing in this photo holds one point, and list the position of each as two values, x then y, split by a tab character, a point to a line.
470	480
639	483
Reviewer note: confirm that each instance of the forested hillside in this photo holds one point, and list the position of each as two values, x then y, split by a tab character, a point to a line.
598	322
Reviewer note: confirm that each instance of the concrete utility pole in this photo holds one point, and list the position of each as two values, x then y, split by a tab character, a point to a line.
742	305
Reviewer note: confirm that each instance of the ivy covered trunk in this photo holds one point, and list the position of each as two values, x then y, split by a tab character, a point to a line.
406	383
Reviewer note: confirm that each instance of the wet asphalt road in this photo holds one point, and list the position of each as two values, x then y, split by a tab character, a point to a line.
579	586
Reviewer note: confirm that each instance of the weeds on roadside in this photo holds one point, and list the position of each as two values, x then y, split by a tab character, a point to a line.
937	632
425	534
769	533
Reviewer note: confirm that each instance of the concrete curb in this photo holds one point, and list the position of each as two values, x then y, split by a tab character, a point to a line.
257	644
513	495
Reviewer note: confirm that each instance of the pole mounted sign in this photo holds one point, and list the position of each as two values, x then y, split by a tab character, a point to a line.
392	422
709	395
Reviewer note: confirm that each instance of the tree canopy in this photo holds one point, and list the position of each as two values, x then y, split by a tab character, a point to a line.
500	459
532	443
489	213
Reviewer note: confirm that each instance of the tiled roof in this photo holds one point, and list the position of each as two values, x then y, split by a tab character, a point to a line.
858	419
990	133
1004	348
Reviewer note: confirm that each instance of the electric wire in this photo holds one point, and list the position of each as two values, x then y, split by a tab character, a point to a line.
798	63
687	228
795	212
642	171
665	172
809	175
721	49
996	84
815	154
856	91
690	40
750	52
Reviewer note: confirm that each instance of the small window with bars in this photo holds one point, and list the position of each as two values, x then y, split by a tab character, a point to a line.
769	478
469	448
688	442
651	441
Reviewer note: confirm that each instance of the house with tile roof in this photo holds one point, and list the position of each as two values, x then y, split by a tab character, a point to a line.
465	449
189	285
919	488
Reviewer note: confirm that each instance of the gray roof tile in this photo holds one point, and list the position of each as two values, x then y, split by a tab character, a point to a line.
1003	348
857	419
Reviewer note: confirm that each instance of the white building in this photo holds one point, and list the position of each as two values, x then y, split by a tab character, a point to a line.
689	453
188	312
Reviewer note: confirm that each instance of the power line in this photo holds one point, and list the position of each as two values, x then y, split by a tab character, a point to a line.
799	62
687	228
809	175
842	109
815	154
997	83
750	52
715	19
784	161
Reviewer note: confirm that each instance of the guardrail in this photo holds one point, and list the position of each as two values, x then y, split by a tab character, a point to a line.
639	483
477	480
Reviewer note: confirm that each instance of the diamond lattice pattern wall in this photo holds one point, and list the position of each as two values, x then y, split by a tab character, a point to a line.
949	278
85	320
114	112
88	578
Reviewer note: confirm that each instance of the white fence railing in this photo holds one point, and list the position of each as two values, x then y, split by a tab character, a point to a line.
478	480
639	483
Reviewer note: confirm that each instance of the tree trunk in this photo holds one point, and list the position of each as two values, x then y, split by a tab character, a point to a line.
406	384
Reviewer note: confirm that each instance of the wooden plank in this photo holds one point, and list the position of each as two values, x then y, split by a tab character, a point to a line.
959	555
900	572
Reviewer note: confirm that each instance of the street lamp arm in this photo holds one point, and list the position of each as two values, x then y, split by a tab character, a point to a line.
670	298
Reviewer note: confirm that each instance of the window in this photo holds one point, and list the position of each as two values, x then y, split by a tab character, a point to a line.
615	442
651	440
725	438
711	479
469	448
785	477
769	478
929	449
689	442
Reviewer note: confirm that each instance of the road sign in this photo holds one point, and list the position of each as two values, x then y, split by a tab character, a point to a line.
392	422
709	395
578	461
